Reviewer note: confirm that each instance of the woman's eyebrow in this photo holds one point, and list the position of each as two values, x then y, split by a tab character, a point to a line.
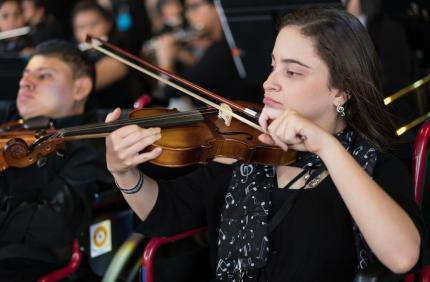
289	61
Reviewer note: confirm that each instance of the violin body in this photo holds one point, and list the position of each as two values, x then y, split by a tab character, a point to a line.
205	140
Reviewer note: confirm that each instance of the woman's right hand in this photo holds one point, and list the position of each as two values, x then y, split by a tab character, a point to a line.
124	146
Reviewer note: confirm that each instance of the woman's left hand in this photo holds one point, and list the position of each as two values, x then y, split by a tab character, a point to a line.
288	129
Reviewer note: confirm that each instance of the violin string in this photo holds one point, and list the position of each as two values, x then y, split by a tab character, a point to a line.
160	118
119	123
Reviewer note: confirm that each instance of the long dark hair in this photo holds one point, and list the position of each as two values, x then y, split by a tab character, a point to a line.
345	46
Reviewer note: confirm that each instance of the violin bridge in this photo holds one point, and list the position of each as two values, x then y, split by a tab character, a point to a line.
225	113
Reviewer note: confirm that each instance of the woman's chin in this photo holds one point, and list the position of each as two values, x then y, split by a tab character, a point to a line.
273	112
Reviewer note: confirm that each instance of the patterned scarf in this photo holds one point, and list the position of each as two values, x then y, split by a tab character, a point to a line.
243	233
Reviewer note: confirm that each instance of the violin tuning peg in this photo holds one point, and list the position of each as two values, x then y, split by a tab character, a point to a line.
61	153
41	161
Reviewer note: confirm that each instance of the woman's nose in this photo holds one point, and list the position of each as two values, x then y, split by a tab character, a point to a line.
271	85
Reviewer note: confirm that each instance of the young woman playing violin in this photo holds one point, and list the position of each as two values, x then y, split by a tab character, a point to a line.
345	202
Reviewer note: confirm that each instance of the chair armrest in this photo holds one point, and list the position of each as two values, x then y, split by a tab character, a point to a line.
157	242
425	274
419	159
71	267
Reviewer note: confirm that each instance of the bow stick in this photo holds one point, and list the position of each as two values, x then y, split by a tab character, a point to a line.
97	42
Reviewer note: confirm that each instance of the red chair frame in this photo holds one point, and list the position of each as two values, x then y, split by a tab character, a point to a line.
155	243
71	267
418	174
419	159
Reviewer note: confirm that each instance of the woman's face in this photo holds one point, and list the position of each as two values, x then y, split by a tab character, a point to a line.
201	15
90	22
300	80
28	9
10	16
172	12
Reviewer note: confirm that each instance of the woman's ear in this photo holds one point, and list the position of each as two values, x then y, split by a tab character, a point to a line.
341	97
83	86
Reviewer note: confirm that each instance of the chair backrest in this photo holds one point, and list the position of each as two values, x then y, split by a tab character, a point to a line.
418	176
419	160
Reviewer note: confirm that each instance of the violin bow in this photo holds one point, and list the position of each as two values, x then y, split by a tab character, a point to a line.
97	42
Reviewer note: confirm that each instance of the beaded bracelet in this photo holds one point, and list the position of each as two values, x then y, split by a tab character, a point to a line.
134	189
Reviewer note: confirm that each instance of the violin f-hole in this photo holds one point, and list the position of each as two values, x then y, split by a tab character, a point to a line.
247	135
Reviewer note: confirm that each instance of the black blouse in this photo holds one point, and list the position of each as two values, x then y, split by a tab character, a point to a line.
314	242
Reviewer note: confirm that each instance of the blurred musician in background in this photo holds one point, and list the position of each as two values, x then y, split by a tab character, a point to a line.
216	54
114	84
45	206
43	25
11	18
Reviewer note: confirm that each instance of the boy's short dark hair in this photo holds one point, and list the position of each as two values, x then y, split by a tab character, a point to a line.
69	53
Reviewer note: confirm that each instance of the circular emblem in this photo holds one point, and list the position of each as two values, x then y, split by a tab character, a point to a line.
100	236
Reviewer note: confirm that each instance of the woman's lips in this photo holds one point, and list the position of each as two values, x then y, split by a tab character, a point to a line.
271	103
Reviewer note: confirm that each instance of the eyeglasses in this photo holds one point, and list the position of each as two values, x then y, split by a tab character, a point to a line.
194	6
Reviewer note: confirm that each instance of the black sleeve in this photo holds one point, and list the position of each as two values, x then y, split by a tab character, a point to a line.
182	203
391	174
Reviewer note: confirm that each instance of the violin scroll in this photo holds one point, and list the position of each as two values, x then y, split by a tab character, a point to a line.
20	153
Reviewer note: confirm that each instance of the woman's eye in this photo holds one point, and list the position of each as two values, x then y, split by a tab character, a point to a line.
292	73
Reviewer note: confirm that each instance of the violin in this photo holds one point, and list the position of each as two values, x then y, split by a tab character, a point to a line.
186	137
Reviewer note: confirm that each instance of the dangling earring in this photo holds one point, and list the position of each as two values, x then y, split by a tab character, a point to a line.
340	109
